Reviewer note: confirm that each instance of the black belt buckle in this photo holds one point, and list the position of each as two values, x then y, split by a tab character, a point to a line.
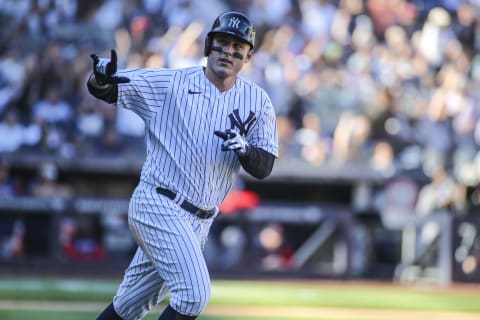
186	205
205	214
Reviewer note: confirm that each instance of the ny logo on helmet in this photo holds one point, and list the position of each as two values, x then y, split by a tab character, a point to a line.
234	22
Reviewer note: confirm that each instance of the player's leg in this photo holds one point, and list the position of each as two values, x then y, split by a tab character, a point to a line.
200	229
171	238
141	289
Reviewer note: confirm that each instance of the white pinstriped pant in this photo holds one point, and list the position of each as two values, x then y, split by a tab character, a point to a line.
169	258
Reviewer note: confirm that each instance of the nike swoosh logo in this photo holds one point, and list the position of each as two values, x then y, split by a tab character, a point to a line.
194	92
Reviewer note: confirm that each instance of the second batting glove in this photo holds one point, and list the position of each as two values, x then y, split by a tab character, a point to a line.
104	70
233	141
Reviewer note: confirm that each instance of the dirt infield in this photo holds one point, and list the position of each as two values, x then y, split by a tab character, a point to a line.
285	312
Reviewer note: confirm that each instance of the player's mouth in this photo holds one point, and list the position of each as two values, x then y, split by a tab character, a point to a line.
225	61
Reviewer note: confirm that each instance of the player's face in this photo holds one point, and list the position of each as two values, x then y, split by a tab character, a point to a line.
228	55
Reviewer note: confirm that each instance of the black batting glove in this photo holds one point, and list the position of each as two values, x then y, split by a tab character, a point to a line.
104	70
233	141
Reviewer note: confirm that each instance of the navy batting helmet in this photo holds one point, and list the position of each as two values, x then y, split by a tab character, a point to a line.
234	24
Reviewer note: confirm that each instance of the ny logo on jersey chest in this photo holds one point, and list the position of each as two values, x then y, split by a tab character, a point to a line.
243	126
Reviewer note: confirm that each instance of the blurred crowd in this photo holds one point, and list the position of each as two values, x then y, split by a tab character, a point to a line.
391	84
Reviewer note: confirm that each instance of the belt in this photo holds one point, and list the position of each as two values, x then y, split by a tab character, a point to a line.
188	206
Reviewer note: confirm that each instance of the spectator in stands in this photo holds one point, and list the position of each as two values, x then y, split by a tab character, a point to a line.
384	62
46	184
12	133
316	19
385	14
288	148
440	193
350	139
12	77
90	125
435	35
464	26
13	245
110	143
55	116
272	246
383	158
315	148
53	109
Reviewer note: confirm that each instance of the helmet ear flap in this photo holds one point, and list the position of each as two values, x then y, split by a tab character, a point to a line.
208	46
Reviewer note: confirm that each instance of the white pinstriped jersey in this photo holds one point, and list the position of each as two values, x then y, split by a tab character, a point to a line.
181	109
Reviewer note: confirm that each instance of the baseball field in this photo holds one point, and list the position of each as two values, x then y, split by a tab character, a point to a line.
76	299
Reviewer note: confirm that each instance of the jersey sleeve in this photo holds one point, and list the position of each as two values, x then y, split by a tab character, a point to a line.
145	91
264	134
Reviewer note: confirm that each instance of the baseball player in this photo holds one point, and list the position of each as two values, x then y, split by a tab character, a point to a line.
202	125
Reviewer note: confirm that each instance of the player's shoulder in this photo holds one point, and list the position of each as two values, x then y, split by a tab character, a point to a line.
178	73
193	71
248	84
155	72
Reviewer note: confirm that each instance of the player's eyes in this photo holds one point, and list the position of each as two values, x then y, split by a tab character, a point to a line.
238	46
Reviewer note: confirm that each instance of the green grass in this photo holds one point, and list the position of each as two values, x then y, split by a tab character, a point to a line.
242	293
57	289
257	293
342	295
44	315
